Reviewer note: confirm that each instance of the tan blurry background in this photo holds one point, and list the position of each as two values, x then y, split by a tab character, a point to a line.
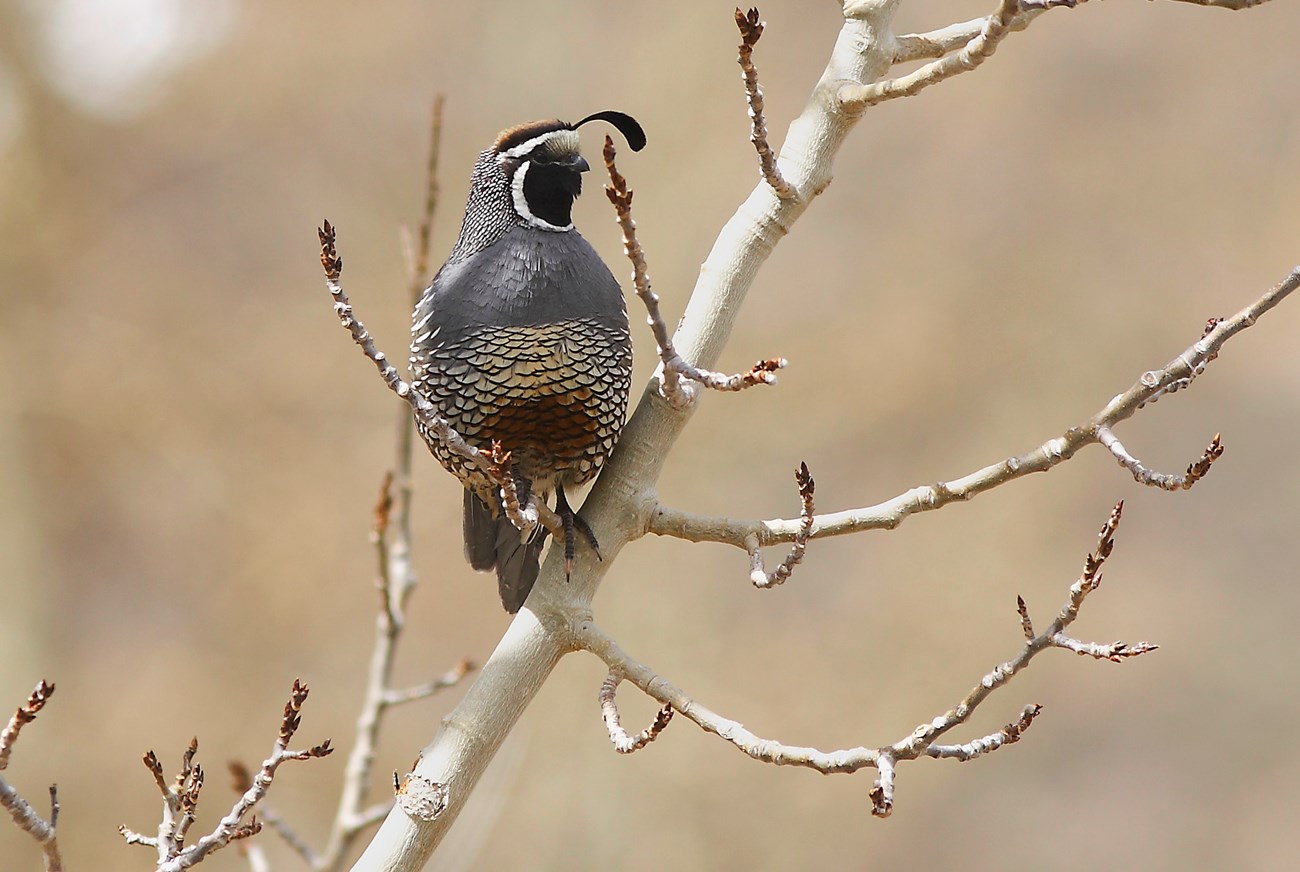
191	446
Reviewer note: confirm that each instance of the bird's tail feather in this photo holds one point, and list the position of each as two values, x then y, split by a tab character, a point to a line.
492	542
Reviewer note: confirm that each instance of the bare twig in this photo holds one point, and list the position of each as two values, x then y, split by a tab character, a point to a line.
24	715
1150	477
1026	623
674	365
665	521
436	426
757	574
448	679
937	43
1008	735
751	30
242	781
956	53
402	578
623	743
923	740
424	410
181	798
882	792
26	817
418	275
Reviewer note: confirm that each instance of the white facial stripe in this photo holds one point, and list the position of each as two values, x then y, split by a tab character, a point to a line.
524	148
521	202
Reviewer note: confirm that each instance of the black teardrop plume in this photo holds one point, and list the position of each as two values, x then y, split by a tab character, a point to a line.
626	124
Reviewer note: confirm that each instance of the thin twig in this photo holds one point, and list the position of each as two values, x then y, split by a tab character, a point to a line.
762	579
181	799
419	274
522	515
922	742
674	365
392	540
399	549
448	679
26	817
24	715
751	30
888	515
1150	477
624	743
242	780
1008	17
1008	735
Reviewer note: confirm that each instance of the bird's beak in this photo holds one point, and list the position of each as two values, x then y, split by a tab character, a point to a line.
580	164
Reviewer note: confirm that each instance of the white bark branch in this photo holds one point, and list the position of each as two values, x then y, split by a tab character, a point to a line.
180	799
922	742
26	817
889	514
623	742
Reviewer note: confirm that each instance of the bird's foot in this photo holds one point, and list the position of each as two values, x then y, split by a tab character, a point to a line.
573	524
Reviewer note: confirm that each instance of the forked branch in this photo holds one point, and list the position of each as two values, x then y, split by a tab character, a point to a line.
665	521
353	816
181	796
26	817
958	49
923	741
674	365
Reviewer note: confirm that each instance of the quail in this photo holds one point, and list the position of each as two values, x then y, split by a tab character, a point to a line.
522	339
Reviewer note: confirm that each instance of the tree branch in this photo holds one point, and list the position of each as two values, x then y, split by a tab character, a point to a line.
751	30
624	743
889	514
180	799
674	366
1010	16
922	741
26	817
352	817
762	579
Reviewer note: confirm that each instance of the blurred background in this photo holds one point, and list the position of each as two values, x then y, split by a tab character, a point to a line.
192	446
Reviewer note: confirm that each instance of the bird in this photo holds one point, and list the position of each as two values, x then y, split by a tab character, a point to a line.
521	339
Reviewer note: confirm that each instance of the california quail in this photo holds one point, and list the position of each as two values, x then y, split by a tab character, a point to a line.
522	338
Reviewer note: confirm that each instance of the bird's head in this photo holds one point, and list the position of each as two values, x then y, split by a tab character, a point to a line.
543	166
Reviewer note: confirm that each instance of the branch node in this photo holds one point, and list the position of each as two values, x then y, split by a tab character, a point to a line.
420	797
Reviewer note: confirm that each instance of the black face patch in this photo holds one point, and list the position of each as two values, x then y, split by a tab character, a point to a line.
549	191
